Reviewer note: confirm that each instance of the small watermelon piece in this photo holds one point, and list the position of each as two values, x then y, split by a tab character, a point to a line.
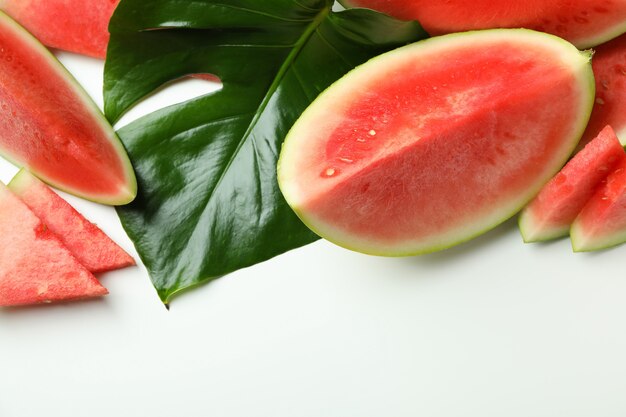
50	125
585	23
79	26
552	212
434	143
90	245
35	267
609	68
602	222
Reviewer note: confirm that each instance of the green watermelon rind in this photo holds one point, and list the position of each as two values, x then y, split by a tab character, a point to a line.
587	85
579	244
131	190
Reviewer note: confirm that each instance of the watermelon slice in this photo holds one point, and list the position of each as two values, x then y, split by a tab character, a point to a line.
35	267
552	212
609	68
79	26
94	249
602	222
434	143
50	125
585	23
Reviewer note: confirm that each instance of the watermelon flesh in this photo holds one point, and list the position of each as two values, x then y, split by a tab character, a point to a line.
552	212
79	26
585	23
91	247
602	222
609	68
49	124
35	267
434	143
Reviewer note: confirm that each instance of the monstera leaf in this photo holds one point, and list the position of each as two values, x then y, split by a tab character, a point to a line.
208	201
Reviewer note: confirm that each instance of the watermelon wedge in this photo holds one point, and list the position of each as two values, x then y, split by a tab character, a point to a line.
552	212
79	26
602	222
35	267
90	245
434	143
50	125
585	23
609	68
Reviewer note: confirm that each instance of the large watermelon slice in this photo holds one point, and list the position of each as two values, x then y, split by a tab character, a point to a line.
602	222
94	249
585	23
79	26
35	267
436	142
50	125
552	212
609	68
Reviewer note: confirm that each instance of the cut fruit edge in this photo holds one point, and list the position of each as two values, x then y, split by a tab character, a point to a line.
126	193
100	254
578	62
608	205
543	218
67	280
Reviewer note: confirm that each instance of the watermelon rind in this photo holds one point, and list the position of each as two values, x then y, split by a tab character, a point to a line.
126	193
580	65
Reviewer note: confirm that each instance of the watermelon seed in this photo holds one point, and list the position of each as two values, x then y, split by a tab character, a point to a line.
599	101
360	140
329	172
372	132
346	160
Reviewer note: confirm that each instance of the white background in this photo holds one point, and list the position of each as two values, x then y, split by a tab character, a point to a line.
490	328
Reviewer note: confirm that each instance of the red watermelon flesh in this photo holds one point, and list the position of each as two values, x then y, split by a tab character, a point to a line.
553	210
609	68
94	249
79	26
585	23
35	267
602	222
431	144
50	125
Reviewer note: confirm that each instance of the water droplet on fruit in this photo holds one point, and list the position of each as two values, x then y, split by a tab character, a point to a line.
372	132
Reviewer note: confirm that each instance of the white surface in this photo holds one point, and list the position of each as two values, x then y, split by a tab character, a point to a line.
490	328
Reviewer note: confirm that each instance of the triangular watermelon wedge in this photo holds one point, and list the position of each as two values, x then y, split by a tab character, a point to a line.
602	222
550	214
50	125
90	245
35	267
